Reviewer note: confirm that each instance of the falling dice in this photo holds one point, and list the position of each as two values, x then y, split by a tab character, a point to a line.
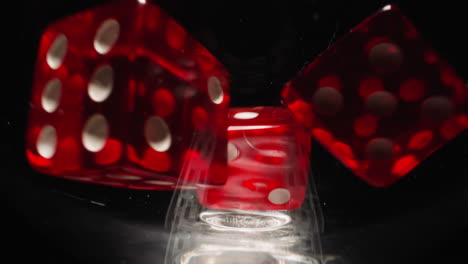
268	162
123	96
380	99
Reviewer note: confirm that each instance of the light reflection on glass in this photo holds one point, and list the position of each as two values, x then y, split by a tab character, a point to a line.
245	221
233	256
203	236
235	128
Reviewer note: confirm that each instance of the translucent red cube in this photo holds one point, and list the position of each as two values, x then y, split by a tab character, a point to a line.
380	99
268	162
123	96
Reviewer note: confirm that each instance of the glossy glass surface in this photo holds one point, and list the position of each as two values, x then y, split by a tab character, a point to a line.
204	235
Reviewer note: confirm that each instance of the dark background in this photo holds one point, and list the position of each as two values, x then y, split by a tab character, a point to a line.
421	219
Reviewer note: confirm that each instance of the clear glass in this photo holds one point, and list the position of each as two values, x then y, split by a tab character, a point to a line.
202	235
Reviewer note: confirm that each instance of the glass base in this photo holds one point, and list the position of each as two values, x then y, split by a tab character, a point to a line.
245	220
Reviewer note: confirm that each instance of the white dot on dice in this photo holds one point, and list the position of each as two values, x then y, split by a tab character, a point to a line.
95	133
380	149
106	36
47	142
279	196
50	98
385	58
57	51
101	84
157	134
437	108
382	103
328	100
215	91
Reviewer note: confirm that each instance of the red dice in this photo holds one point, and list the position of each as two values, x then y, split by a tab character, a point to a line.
124	96
380	99
268	162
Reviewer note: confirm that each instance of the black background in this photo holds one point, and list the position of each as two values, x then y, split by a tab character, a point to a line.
421	219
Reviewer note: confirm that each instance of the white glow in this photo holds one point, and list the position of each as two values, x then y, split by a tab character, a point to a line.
387	7
236	128
232	256
238	220
221	254
245	115
142	1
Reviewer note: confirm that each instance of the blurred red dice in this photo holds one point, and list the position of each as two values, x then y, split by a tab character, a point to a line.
381	99
122	96
268	162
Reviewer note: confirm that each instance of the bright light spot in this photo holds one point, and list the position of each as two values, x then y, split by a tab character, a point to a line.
142	1
245	220
236	128
387	7
217	253
245	115
231	256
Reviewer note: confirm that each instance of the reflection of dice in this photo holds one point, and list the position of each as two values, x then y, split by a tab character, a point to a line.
381	100
121	94
268	161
